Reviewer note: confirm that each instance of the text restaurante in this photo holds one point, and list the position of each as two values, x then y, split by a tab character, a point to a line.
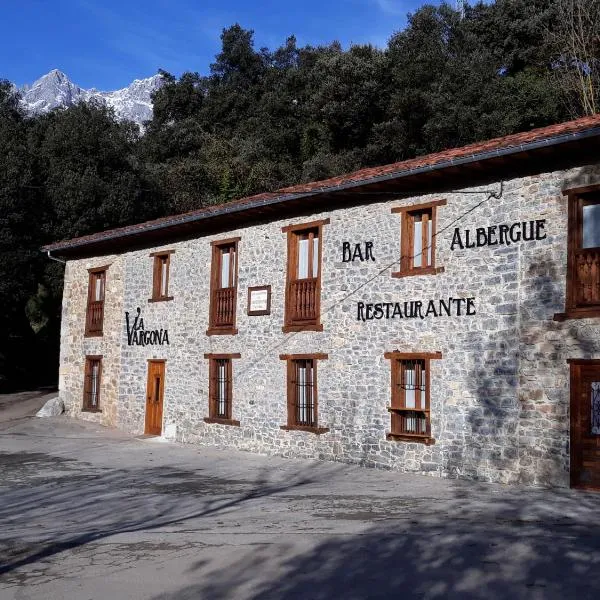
414	309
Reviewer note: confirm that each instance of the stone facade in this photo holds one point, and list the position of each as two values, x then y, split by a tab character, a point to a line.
499	394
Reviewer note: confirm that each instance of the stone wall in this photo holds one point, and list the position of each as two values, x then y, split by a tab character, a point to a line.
499	395
74	346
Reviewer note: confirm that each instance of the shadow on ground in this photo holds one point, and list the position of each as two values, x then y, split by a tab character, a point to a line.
55	504
505	550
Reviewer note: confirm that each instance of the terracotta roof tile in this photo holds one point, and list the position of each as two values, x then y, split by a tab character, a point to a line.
362	175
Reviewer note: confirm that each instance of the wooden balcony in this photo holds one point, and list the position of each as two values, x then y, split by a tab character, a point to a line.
94	318
587	277
224	307
409	422
302	300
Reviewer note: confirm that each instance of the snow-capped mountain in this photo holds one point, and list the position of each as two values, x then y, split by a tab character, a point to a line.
55	89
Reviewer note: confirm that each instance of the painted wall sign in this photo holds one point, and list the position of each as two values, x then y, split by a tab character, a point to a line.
137	335
259	300
352	252
415	309
525	231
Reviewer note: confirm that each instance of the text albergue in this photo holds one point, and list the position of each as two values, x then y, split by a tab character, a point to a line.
495	235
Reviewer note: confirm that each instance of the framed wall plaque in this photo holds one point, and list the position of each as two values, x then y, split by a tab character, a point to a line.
259	300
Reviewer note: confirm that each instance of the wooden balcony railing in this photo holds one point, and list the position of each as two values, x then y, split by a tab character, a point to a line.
94	318
224	307
302	300
587	277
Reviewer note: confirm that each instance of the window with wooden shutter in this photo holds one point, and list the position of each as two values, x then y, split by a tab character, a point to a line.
94	320
302	403
223	293
410	410
583	262
303	285
417	239
91	385
220	389
160	276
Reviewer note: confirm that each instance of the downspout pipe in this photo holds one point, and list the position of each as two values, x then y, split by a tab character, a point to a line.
64	262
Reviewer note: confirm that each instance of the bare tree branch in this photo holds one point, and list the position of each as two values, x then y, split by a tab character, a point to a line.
576	65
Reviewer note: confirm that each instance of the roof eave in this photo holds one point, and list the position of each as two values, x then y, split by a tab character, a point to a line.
231	208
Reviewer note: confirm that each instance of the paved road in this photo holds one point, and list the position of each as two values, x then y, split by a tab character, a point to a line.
91	513
21	405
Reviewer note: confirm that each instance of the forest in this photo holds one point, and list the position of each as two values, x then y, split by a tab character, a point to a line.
265	118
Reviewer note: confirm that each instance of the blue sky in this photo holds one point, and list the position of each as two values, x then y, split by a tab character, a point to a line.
108	43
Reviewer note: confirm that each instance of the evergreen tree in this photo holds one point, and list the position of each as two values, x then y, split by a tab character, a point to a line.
263	119
19	255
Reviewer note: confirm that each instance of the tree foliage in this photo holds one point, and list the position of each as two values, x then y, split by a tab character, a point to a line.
265	118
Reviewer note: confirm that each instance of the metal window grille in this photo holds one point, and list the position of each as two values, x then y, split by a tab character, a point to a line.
595	398
303	390
92	385
411	394
221	393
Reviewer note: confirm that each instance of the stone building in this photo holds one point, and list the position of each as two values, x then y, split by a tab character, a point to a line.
439	315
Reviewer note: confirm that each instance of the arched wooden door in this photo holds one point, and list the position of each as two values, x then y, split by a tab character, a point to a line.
155	389
585	424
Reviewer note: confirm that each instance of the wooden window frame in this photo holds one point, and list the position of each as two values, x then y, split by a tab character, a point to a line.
213	416
214	328
577	198
407	214
157	295
87	379
293	233
90	330
397	401
292	425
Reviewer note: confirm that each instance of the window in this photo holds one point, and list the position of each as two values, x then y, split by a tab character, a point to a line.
220	389
417	239
302	402
303	287
91	384
95	306
583	263
223	287
160	276
410	406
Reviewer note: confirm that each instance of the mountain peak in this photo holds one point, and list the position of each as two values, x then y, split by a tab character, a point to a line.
56	90
54	77
57	73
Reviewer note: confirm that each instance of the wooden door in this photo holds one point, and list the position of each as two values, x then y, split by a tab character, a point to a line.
154	396
585	424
